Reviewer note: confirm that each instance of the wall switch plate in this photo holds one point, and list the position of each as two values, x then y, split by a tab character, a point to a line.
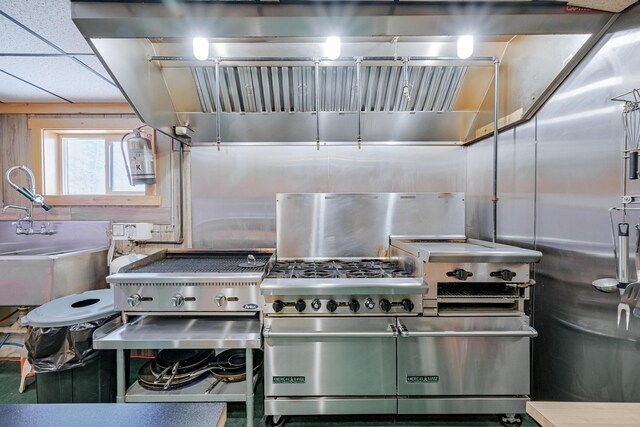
139	231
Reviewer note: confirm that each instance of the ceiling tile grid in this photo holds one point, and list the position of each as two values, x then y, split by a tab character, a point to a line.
63	77
32	27
14	90
51	19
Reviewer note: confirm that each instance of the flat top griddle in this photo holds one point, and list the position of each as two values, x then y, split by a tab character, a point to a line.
201	262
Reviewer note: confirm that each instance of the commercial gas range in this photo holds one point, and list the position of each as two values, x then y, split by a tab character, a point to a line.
330	330
377	303
438	327
193	282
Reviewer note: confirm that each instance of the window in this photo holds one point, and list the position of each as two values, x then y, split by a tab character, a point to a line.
91	164
84	164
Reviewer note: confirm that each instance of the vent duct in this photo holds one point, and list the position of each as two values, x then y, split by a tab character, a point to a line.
245	89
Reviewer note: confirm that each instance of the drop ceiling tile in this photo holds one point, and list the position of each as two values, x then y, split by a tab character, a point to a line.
49	18
64	77
95	63
13	90
14	39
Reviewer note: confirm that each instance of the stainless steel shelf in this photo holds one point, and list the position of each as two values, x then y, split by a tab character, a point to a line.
158	332
223	392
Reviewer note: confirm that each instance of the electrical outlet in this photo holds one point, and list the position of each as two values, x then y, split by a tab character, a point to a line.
140	231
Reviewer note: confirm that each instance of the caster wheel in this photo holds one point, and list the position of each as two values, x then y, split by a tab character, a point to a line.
511	420
275	421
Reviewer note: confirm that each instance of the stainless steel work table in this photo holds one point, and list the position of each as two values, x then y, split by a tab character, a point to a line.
151	332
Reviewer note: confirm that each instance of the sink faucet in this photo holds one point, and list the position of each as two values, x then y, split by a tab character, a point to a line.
35	199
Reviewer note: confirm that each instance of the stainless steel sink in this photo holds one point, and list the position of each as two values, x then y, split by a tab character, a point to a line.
36	269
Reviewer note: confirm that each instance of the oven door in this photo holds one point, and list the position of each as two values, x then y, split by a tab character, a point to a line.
449	356
326	356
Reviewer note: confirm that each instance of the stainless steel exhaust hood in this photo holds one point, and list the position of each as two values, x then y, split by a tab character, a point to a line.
411	87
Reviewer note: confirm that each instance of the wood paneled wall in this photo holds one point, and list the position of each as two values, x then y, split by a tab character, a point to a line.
15	149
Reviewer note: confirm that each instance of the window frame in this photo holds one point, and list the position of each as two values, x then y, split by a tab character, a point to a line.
109	152
45	128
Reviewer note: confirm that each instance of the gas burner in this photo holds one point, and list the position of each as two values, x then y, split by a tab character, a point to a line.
389	265
278	273
357	265
309	265
282	266
315	274
365	273
398	273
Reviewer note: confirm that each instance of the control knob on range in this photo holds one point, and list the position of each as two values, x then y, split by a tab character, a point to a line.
278	306
134	300
460	274
407	304
506	275
385	305
177	300
221	300
332	305
300	305
316	304
369	304
354	305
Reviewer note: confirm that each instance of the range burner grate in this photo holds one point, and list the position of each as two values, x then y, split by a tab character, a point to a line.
364	269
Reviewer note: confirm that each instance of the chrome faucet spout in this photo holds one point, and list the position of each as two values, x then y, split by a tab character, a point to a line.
31	179
30	190
22	208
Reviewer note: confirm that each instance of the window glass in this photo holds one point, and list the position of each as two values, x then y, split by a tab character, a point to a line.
119	177
84	170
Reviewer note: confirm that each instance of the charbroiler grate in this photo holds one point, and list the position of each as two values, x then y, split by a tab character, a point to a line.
193	263
191	281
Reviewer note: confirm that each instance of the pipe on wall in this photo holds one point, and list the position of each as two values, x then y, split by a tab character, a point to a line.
496	100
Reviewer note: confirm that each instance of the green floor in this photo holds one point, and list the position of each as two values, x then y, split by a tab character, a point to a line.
10	379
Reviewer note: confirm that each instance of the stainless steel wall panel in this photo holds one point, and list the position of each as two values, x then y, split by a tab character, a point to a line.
516	185
234	188
567	165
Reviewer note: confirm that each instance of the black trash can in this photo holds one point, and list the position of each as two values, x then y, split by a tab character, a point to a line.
59	343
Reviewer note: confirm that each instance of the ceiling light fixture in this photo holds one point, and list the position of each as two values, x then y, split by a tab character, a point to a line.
332	47
465	46
201	48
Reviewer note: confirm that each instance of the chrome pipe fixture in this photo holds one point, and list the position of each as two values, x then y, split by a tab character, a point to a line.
359	88
405	79
489	59
218	103
317	91
496	100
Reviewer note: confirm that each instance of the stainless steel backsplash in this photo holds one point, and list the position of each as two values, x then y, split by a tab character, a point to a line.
234	188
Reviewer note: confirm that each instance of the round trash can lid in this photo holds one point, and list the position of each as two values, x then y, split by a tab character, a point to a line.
72	309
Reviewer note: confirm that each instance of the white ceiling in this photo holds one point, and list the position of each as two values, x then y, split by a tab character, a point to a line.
68	71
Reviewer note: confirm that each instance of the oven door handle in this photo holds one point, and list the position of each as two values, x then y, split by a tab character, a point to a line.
392	333
528	332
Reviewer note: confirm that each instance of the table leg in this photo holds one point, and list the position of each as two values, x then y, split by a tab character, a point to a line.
121	380
249	397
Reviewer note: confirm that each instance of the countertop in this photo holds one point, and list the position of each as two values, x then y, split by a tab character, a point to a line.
115	414
584	414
